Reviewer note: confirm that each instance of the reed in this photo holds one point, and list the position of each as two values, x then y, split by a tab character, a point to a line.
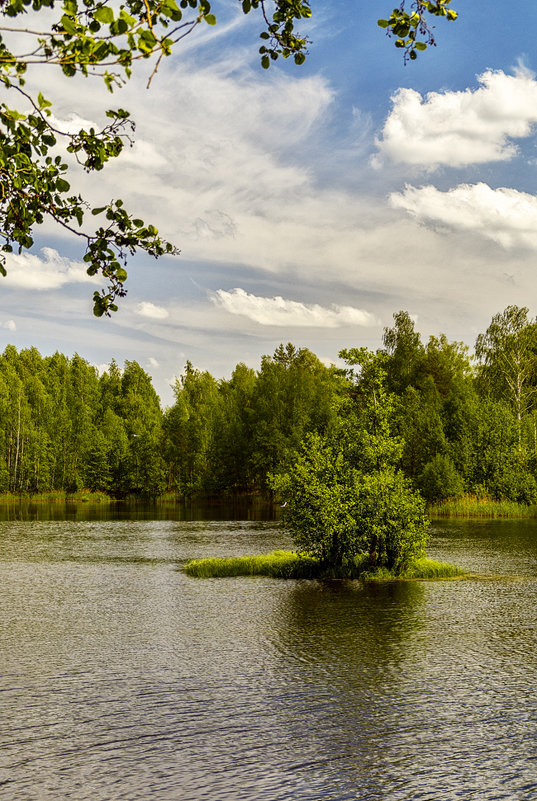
290	565
170	496
55	496
481	506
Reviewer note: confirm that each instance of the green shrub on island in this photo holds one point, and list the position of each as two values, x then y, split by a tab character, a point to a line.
350	510
345	494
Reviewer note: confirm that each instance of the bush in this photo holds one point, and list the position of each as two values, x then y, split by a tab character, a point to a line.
516	485
335	512
391	520
440	480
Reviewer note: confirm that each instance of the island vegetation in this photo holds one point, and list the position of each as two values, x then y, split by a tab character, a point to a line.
293	565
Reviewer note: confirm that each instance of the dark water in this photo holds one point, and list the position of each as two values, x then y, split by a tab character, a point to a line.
122	678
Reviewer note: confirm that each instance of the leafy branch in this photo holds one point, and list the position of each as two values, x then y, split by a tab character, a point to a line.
412	29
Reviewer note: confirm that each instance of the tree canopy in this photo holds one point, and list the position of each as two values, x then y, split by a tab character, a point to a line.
350	436
99	38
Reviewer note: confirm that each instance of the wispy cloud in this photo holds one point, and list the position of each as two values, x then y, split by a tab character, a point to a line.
9	324
280	311
461	128
504	215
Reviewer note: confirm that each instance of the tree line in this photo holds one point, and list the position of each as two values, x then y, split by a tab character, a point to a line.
454	424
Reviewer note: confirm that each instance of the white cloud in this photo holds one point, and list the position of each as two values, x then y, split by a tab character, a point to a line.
147	309
504	215
30	272
10	325
461	128
101	368
280	311
142	152
153	362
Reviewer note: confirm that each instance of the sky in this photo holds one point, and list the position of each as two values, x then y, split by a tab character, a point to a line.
309	203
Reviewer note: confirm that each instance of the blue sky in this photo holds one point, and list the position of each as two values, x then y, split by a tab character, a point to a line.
310	203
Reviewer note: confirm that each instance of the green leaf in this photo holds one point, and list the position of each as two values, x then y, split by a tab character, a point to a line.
210	19
42	102
68	25
104	14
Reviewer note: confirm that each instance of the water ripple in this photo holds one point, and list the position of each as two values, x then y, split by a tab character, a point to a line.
124	679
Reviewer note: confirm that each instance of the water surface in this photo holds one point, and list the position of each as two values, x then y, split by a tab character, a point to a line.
123	678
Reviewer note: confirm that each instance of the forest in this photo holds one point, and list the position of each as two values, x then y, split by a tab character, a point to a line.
464	423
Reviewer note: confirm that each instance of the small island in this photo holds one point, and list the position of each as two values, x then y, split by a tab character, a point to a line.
351	511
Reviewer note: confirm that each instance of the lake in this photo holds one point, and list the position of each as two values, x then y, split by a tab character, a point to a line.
123	678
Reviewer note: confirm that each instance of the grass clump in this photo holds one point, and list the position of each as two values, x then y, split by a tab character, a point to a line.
481	506
277	564
431	569
291	565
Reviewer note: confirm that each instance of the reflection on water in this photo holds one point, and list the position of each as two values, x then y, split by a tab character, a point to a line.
122	678
235	509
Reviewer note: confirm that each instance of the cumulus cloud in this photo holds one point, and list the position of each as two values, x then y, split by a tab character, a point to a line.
153	362
280	311
504	215
52	271
101	368
147	309
461	128
10	325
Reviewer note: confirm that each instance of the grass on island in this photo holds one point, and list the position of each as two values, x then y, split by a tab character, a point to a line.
289	565
481	506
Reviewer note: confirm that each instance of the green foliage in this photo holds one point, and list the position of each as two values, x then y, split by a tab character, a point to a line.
366	419
507	356
226	436
294	394
62	429
446	431
321	495
391	520
190	429
440	479
344	498
411	29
